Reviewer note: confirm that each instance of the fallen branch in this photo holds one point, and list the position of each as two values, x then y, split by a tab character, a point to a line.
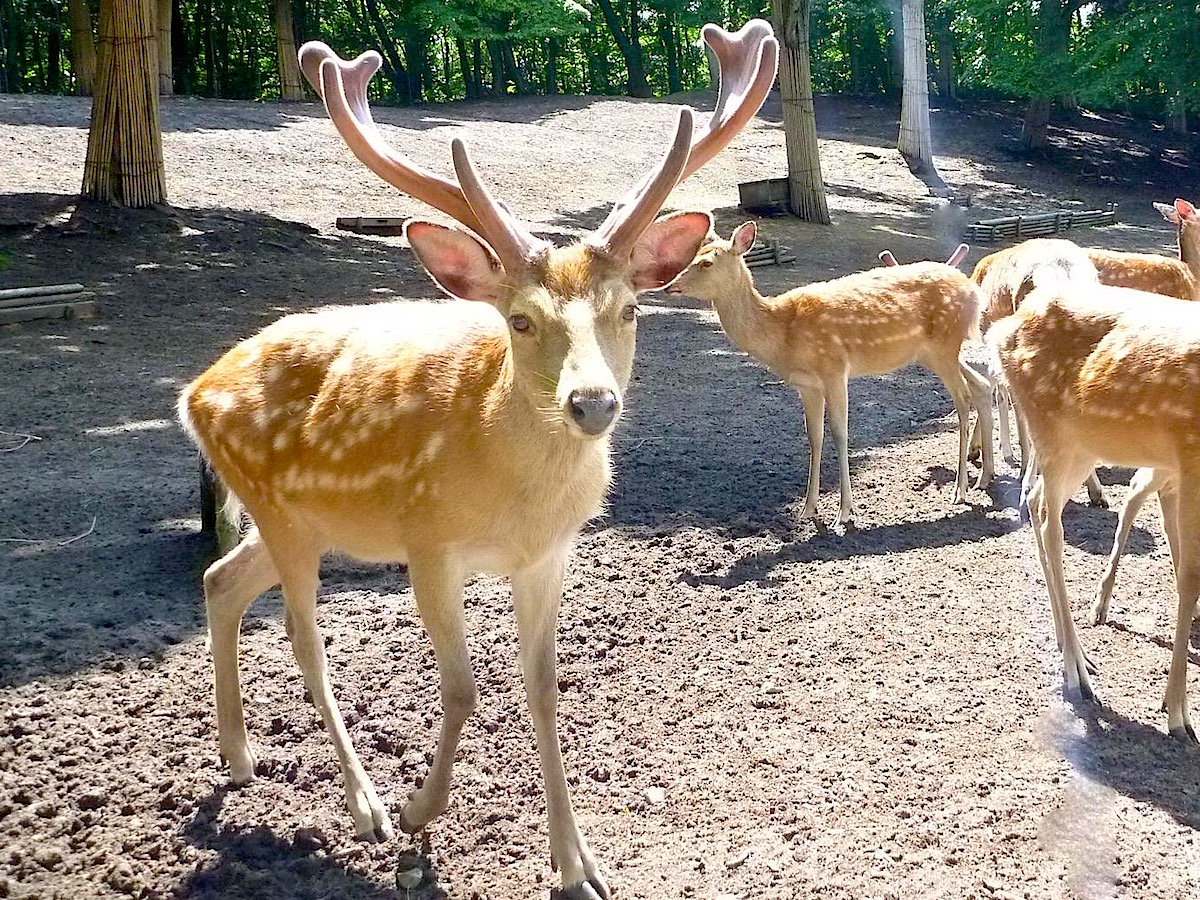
61	543
16	436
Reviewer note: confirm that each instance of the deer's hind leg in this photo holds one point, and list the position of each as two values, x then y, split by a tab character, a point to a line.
1181	517
230	585
297	557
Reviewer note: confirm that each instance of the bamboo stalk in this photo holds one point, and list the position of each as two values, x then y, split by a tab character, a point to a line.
124	160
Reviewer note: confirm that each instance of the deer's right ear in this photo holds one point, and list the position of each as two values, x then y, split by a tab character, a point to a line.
1168	212
461	264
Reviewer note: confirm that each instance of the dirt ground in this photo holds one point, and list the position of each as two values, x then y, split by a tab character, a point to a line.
871	714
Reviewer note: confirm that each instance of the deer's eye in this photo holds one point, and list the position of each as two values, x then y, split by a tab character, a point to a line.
705	263
629	313
520	324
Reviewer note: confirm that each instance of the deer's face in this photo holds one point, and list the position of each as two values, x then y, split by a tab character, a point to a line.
717	269
573	335
572	316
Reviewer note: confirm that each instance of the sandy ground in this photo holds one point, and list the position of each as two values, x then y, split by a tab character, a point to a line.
871	714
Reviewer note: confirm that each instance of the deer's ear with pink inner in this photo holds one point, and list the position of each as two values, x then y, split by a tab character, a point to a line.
666	248
1184	209
743	237
1169	212
461	264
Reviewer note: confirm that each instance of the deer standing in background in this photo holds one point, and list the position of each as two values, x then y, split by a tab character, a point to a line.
455	437
819	336
1160	275
1005	278
1103	374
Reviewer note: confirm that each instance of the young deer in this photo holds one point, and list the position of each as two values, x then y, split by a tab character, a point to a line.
1110	374
1151	272
1005	278
455	437
819	336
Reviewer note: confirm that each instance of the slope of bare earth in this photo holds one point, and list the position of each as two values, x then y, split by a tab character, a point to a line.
751	707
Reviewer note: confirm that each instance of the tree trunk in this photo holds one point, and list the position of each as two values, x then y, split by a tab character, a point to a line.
1053	41
477	67
629	45
392	64
162	29
183	56
947	77
805	185
895	50
666	34
915	143
291	88
552	50
496	55
124	155
416	52
513	70
54	59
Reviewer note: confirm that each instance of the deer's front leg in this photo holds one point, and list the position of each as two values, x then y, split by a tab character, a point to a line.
836	395
537	592
814	426
437	585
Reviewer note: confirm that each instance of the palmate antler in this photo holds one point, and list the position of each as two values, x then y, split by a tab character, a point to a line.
747	60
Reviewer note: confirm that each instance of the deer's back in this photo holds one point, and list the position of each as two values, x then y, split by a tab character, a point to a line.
1145	272
381	428
1112	369
878	320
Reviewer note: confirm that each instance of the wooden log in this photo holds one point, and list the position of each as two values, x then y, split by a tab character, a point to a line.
83	309
41	290
40	300
385	225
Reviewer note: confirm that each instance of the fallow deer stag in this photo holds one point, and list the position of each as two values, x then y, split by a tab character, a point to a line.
818	336
1113	375
455	437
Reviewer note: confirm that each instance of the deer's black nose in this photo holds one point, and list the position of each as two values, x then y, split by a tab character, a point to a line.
593	410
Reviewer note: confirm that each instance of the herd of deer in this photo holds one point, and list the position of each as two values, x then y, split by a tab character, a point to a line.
464	437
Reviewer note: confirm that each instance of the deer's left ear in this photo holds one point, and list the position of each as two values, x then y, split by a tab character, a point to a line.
1168	211
666	248
1185	209
743	237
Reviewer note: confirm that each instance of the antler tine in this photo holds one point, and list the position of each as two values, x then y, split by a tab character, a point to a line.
633	213
748	60
510	239
342	84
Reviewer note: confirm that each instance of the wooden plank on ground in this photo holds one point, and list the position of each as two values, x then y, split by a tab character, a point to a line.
41	299
44	290
385	225
83	309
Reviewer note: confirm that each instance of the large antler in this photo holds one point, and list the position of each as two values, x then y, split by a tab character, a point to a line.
342	84
748	60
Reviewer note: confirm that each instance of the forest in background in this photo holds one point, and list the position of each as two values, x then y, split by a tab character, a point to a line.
1136	56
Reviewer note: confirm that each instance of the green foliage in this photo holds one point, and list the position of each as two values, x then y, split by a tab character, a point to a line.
1141	55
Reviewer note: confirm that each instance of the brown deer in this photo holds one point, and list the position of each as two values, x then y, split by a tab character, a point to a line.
1103	374
1160	275
1179	277
1005	278
819	336
455	437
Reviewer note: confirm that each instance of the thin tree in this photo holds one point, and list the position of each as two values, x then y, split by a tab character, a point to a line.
124	155
83	47
916	142
630	45
166	81
290	86
806	187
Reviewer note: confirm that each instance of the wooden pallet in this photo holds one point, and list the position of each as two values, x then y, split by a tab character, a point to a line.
767	252
51	301
385	225
991	231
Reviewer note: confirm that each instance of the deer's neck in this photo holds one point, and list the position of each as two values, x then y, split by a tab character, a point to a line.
1189	253
744	315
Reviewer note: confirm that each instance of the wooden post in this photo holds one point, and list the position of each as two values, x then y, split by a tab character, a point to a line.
83	47
806	187
290	86
166	81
